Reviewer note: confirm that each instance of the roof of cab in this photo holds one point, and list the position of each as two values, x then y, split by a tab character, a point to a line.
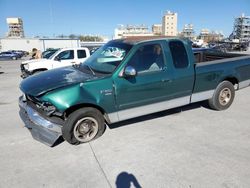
138	39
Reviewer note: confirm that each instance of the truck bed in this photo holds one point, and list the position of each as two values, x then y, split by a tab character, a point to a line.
213	68
204	56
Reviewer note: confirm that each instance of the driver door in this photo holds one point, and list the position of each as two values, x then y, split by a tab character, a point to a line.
151	85
64	58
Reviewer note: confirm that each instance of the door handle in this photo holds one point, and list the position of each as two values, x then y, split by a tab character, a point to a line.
73	62
166	80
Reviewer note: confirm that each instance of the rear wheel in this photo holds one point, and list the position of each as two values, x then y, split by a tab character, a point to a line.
223	96
83	125
14	58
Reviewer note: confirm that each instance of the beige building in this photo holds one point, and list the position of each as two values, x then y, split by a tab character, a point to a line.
157	29
15	27
212	36
131	31
169	24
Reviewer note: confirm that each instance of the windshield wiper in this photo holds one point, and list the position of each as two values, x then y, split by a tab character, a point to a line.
90	69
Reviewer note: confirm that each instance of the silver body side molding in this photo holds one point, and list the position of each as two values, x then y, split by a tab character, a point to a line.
244	84
201	96
113	117
165	105
147	109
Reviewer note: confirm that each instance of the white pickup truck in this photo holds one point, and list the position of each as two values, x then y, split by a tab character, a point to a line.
62	58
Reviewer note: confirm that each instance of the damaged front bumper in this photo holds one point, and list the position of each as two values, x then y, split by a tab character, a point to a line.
41	129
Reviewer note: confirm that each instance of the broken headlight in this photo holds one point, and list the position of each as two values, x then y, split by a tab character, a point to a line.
48	108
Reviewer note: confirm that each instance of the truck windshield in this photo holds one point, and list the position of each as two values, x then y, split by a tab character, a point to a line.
107	58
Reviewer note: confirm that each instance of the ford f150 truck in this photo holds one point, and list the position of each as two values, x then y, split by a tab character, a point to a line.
61	58
125	79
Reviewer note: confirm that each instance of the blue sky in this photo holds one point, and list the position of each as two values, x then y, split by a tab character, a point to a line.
55	17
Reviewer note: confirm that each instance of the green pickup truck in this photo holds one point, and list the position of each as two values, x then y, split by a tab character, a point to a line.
124	79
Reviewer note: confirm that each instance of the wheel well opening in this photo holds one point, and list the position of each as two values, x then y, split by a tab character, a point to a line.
234	81
76	107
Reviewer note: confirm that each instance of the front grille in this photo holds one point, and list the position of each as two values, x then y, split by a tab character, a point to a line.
53	119
33	99
36	104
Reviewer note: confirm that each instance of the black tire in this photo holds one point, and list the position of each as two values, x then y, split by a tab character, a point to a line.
85	122
14	58
223	96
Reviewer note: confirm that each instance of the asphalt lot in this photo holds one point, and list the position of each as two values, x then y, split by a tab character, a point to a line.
189	147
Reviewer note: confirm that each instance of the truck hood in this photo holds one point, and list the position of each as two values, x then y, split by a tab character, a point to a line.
34	61
49	80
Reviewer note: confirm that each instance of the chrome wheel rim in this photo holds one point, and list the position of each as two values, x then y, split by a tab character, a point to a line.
85	129
225	96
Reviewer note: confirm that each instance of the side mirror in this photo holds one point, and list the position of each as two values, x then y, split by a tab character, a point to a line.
57	58
130	71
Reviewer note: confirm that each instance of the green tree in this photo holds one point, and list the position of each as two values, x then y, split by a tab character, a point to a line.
72	36
90	38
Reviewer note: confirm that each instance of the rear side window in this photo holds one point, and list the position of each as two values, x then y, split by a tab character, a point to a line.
179	54
81	54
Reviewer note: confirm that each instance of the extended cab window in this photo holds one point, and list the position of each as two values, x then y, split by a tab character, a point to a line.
179	54
81	54
66	55
148	58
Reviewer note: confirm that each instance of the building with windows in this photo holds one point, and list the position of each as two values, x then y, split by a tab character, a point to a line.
188	32
169	24
157	29
241	29
131	31
15	27
210	36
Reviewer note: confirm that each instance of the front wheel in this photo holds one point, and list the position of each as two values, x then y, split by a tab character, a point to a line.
223	96
83	126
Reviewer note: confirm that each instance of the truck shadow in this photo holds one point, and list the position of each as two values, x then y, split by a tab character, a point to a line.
173	111
124	180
